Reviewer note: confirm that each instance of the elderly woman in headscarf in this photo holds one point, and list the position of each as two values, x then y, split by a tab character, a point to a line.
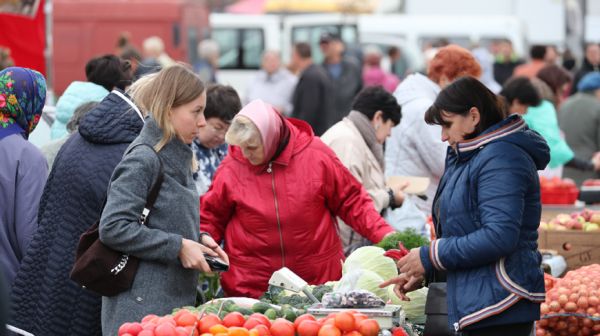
23	168
274	201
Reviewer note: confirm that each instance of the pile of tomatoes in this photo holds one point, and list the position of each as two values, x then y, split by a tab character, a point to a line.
186	323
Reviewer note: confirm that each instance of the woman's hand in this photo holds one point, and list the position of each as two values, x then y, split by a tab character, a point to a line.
399	193
192	255
411	264
209	242
403	284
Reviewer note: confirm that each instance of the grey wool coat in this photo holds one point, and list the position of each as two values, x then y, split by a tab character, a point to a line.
161	282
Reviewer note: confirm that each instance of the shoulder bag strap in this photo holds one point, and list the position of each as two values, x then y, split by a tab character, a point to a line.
155	187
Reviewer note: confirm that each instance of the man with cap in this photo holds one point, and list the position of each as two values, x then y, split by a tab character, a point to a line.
344	72
579	118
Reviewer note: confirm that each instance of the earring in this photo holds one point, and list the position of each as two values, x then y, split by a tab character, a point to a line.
377	127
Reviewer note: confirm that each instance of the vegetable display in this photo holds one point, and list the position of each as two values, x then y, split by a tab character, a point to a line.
572	304
409	238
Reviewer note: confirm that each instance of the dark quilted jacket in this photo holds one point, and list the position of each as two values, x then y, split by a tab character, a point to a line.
44	300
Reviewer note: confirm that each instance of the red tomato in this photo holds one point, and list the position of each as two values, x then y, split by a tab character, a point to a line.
130	328
359	317
353	333
263	330
167	319
252	323
345	322
261	318
368	327
186	319
301	318
329	330
146	332
165	329
149	318
282	328
181	331
207	322
308	328
234	319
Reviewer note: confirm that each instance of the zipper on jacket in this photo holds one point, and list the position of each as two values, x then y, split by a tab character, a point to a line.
270	171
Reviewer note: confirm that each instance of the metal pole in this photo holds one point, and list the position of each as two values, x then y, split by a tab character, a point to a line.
48	53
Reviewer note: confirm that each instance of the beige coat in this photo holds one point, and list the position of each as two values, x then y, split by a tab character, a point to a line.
350	147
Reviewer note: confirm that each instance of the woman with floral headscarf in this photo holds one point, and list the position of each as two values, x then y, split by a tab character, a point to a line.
23	169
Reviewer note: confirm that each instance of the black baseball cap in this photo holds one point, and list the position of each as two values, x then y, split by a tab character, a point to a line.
327	37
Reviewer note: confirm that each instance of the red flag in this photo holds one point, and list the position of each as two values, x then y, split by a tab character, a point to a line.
23	31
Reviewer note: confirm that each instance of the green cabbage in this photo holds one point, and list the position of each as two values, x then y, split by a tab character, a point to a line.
371	258
362	279
415	308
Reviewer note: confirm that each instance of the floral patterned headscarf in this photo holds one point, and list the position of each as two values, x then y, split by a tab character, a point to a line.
22	97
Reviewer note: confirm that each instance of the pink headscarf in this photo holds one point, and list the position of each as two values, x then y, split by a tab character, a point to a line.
268	122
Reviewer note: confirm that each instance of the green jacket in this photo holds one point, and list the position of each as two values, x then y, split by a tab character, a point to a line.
543	120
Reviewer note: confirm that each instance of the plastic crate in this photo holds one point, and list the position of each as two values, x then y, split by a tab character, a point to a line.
560	196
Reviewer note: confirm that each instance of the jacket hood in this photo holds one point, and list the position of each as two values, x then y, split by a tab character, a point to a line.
515	131
112	121
76	94
416	86
301	135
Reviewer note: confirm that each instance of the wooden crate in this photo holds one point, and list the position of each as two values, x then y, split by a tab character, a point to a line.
579	248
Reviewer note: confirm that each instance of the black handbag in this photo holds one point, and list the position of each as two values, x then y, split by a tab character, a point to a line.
436	311
101	269
436	304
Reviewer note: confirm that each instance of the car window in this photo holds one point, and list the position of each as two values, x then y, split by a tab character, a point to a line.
239	48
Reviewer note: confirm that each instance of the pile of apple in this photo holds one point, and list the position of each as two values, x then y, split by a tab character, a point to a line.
585	220
556	184
186	323
591	183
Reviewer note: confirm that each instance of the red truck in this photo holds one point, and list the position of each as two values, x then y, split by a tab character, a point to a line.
83	29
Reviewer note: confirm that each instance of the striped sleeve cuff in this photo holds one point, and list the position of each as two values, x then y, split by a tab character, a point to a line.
432	255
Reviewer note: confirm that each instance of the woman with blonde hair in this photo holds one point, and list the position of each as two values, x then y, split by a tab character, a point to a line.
274	200
167	245
71	201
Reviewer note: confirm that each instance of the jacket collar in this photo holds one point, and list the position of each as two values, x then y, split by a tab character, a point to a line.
506	127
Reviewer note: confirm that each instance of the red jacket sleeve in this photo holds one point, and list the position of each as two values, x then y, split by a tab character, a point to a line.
349	200
216	206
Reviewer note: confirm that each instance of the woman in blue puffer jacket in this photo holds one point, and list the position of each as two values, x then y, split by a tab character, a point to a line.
486	213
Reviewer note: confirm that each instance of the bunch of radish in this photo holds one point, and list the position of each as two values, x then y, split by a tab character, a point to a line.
572	306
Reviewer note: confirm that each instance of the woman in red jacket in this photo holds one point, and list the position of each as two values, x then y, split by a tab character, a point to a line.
274	200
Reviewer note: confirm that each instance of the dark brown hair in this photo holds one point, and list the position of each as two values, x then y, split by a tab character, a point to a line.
462	95
555	77
303	49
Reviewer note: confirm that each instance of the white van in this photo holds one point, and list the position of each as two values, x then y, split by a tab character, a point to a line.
412	33
243	38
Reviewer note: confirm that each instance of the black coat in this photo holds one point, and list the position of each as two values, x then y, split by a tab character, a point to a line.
314	99
586	68
345	88
44	300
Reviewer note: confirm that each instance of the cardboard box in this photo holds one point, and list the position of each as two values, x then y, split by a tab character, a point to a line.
579	248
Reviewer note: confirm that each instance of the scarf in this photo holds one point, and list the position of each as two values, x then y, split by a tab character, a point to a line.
22	98
273	131
366	129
